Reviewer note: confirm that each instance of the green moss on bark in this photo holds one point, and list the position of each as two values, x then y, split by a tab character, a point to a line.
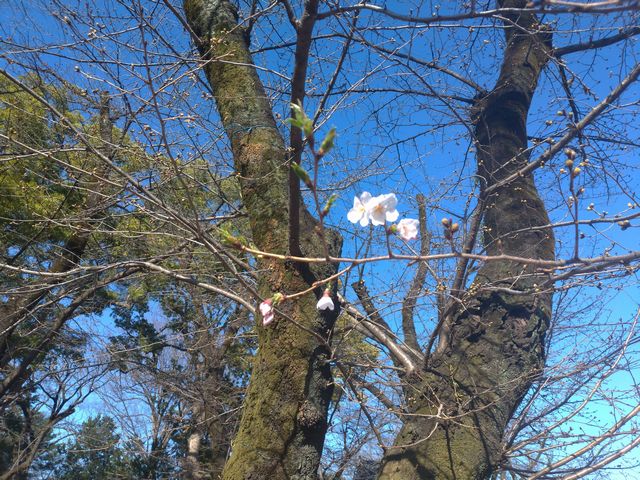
284	417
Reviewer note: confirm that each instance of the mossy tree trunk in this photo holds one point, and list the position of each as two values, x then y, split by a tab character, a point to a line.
283	423
491	346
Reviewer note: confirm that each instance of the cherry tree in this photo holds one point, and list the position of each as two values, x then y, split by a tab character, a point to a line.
432	222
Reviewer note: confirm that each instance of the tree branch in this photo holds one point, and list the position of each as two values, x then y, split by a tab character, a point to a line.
399	354
410	299
593	44
304	31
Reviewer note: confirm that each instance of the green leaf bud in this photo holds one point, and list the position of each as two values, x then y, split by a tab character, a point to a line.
329	204
302	174
301	120
327	143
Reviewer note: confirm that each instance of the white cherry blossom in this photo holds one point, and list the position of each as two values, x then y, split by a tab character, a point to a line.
325	302
267	312
360	210
407	228
382	209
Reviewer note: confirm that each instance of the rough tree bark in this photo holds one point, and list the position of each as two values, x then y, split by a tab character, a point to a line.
284	415
491	345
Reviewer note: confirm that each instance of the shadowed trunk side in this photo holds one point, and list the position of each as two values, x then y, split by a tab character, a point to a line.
491	346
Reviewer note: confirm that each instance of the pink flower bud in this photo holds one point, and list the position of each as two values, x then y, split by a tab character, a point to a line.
266	310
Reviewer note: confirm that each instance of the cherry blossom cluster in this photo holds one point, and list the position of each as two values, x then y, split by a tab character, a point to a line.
268	314
266	308
366	209
380	210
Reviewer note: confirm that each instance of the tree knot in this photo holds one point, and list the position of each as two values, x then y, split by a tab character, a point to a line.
308	415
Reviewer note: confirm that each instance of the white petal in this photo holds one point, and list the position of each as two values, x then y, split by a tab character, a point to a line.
325	303
365	198
375	201
392	215
378	216
355	214
267	319
364	221
389	201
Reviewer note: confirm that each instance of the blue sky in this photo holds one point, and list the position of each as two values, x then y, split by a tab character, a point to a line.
406	142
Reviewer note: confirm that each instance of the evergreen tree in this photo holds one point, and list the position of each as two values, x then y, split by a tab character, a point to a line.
95	453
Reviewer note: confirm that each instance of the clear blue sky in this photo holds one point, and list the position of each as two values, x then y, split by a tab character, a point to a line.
410	143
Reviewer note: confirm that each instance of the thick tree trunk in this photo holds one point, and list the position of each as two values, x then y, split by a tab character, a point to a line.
491	348
284	415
